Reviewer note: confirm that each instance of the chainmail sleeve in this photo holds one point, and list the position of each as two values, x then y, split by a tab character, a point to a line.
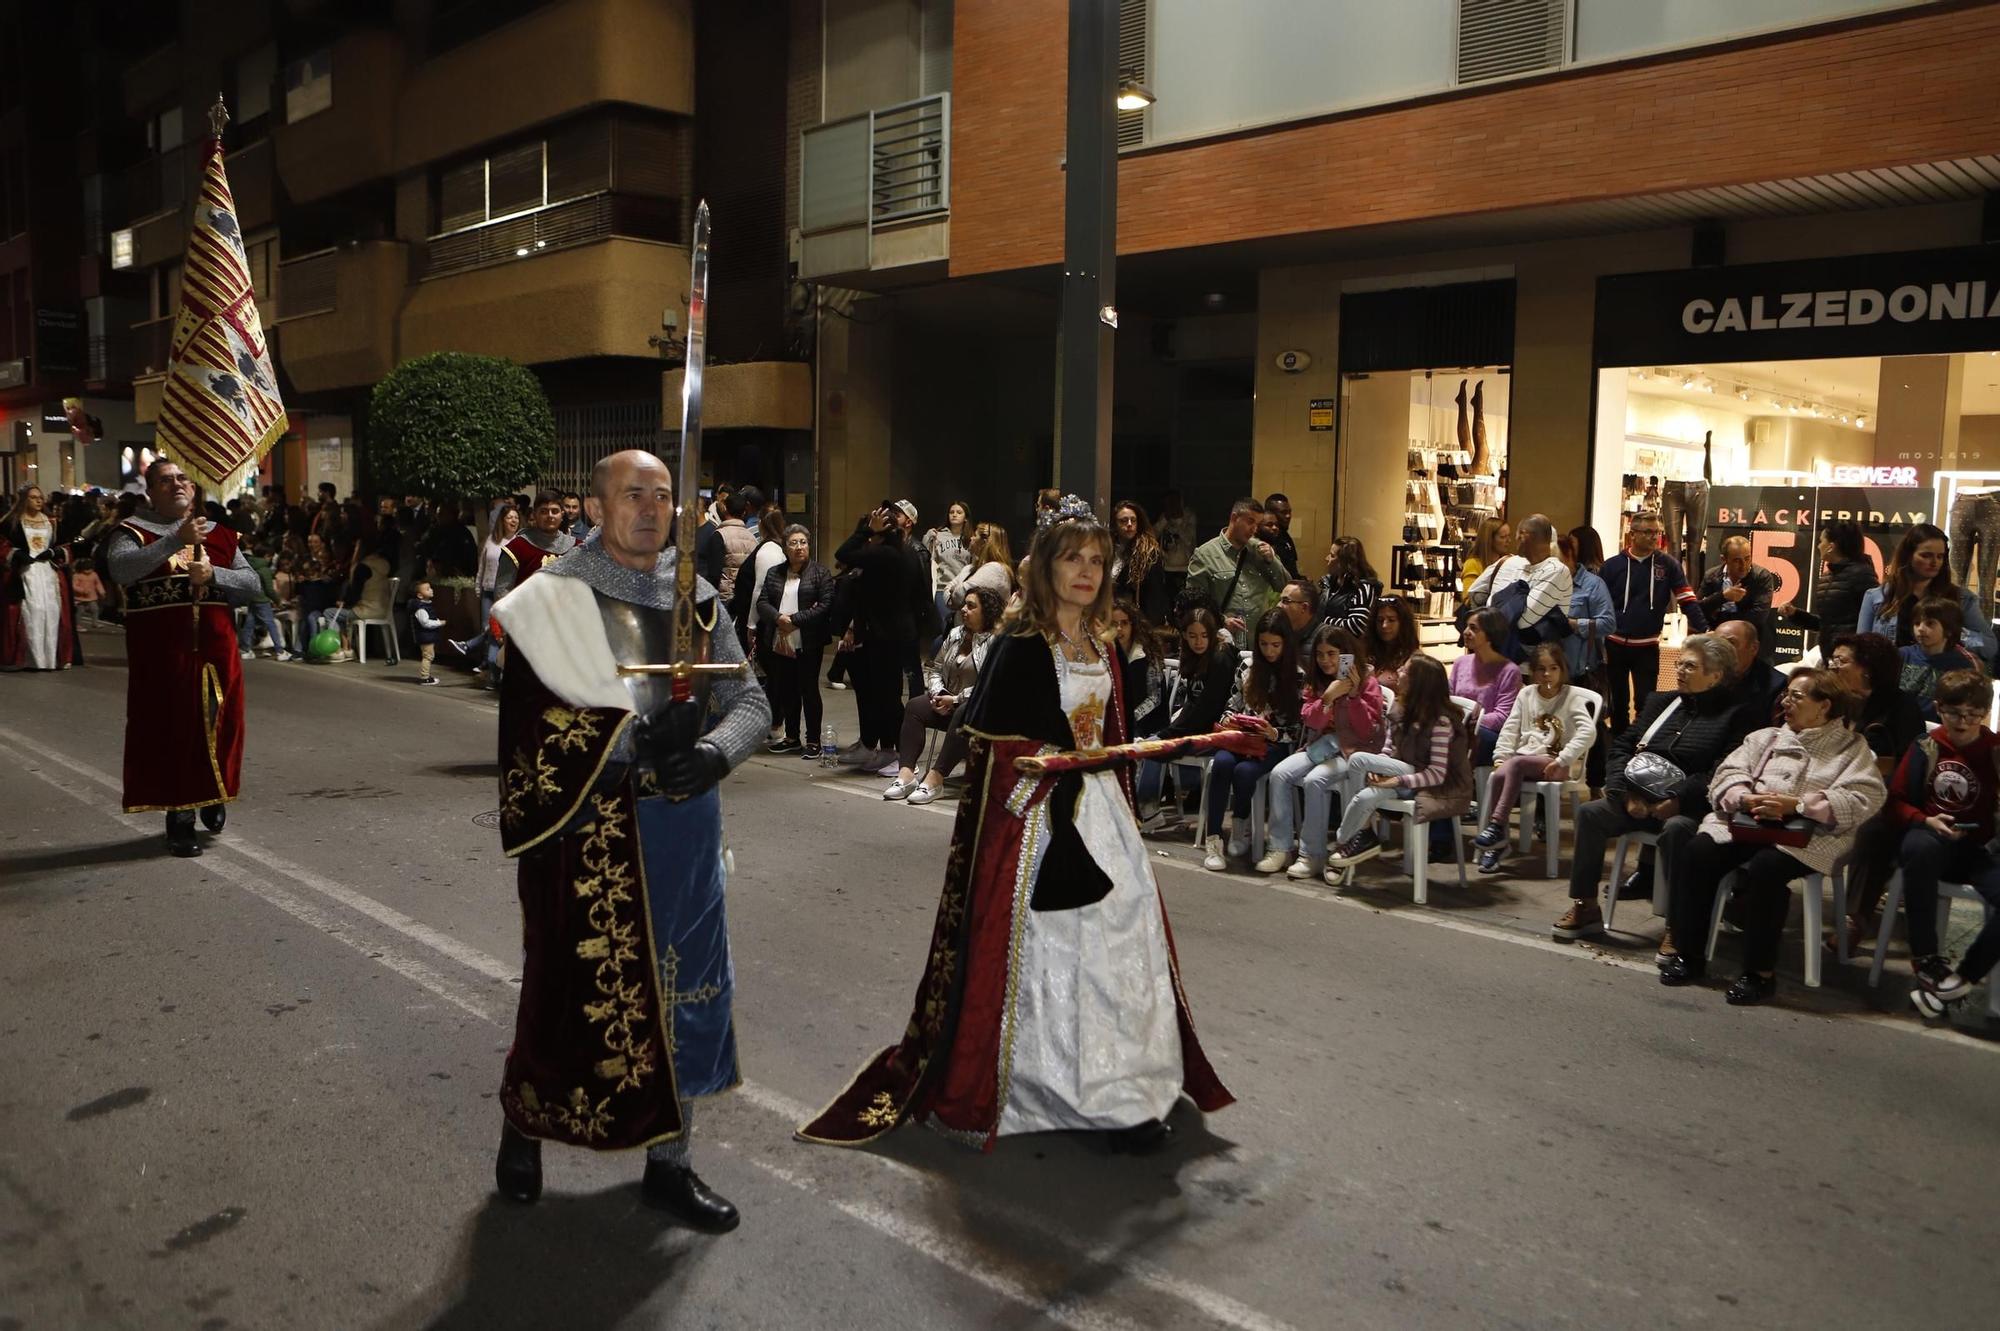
239	582
127	561
745	719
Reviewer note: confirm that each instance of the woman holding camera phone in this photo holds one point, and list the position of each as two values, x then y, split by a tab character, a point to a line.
1063	1011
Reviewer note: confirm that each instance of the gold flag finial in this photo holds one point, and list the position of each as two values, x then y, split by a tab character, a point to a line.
218	116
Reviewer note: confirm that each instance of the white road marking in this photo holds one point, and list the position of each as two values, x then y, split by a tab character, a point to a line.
935	1244
950	1252
409	967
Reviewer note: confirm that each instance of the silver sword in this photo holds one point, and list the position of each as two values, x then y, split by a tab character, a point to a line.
684	666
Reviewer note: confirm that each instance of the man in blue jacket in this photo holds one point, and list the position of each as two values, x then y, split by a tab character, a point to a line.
1645	583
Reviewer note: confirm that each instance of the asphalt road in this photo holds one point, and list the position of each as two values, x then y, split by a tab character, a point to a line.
257	1089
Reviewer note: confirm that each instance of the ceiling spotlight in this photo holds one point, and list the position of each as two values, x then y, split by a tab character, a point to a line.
1860	422
1687	381
1215	300
1742	393
1642	376
541	244
521	253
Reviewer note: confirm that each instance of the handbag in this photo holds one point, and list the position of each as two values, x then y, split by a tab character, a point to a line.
1793	832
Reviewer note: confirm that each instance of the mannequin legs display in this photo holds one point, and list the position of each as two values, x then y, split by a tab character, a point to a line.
1684	515
1464	423
1482	460
1975	520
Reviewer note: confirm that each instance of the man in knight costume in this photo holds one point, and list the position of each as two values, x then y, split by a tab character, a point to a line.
609	806
184	687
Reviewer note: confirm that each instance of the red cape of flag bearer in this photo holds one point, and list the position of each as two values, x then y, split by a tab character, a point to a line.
219	413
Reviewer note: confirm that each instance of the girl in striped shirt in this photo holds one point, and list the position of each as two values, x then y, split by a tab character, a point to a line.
1416	756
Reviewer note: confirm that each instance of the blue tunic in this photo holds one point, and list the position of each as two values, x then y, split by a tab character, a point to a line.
682	848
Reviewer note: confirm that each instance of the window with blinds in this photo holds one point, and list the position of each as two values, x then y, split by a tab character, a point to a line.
1132	29
579	160
570	162
462	196
514	182
1500	39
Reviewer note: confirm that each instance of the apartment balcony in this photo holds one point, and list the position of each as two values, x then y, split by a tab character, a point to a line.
253	183
353	140
583	298
875	202
111	359
551	61
154	79
154	193
337	312
149	343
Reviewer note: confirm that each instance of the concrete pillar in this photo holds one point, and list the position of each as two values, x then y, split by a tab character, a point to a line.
856	383
1375	463
1288	456
1917	410
1549	426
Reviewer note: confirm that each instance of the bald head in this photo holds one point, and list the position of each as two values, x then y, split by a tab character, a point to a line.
632	501
1741	634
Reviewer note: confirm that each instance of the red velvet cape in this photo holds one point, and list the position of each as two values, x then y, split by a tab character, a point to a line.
948	1066
183	686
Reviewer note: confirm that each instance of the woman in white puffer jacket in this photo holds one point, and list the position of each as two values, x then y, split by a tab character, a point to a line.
1786	804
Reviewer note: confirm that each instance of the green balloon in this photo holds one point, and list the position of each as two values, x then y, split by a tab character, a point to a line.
323	645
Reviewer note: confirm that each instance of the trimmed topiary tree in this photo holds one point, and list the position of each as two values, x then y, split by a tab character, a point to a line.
452	424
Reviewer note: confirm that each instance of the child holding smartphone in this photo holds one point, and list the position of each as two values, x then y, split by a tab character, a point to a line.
1266	703
1943	795
1341	714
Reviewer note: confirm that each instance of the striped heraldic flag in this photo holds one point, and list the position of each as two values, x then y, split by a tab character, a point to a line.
219	409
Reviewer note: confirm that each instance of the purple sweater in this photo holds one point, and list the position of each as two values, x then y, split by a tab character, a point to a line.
1494	690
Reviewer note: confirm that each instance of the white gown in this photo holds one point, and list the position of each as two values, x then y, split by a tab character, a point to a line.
1094	1038
41	598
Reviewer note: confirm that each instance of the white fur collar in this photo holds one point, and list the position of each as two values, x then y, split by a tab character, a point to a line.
555	622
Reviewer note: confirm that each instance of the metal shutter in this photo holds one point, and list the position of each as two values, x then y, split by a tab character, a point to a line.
579	159
1498	39
462	196
514	180
1132	24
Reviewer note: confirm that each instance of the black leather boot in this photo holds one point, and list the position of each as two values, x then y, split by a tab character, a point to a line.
180	835
517	1172
213	816
681	1193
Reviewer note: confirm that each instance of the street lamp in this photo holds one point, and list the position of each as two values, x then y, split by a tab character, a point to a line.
1133	95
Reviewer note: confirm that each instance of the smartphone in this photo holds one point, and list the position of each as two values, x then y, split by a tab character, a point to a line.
1346	665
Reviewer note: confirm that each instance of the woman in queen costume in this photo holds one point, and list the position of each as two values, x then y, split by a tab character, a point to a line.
1051	998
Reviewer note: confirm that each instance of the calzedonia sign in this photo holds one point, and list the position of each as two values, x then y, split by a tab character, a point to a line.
1913	302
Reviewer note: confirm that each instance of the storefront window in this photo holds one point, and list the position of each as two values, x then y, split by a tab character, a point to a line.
1424	473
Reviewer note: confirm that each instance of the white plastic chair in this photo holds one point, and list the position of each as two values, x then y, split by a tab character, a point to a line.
1947	893
386	624
1815	887
1609	904
1416	836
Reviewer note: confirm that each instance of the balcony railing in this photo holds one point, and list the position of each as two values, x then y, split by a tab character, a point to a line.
111	359
560	226
307	285
156	185
909	154
150	343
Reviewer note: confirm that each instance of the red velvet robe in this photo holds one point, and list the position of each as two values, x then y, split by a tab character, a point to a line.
184	686
948	1066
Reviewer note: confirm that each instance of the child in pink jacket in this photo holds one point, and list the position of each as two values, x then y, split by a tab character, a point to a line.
1342	714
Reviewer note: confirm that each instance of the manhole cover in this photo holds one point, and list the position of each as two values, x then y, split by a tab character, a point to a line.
490	819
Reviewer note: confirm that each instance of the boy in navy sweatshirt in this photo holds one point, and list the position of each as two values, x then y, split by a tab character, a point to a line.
1645	583
1937	624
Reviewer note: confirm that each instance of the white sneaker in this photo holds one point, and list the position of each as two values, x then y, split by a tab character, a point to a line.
1273	861
890	768
1303	868
1216	861
246	654
899	789
281	655
1239	846
920	794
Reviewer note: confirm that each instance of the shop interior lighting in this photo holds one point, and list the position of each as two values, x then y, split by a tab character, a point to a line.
1860	422
1742	393
1687	381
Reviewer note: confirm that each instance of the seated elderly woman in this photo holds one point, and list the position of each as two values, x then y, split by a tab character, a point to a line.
1786	804
1692	728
